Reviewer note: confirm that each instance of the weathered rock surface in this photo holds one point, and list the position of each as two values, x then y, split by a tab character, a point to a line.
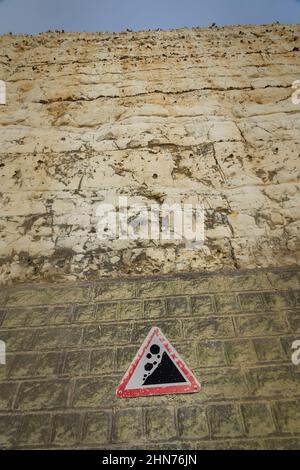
192	114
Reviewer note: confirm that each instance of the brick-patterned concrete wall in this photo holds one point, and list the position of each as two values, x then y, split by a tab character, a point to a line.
68	347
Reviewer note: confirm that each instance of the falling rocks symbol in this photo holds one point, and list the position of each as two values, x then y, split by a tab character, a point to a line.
166	372
157	369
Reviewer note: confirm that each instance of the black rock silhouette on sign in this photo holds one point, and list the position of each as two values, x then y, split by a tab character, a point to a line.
165	373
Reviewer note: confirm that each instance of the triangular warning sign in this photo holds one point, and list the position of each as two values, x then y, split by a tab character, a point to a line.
157	369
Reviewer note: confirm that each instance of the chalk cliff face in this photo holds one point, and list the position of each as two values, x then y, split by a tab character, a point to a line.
192	115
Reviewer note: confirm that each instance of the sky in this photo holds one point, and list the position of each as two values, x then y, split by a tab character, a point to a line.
34	16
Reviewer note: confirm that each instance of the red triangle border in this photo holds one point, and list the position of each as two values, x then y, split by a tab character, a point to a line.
192	387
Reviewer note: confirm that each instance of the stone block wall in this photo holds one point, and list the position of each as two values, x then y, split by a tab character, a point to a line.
68	347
